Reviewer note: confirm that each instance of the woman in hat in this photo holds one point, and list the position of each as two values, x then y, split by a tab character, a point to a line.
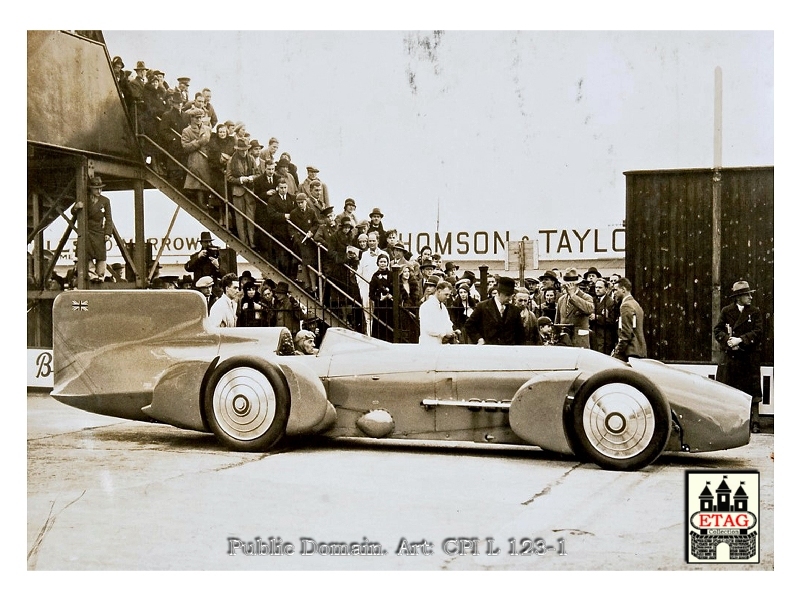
409	288
100	227
460	311
251	312
548	306
349	213
409	301
267	293
219	152
194	140
282	171
381	292
291	168
361	243
425	253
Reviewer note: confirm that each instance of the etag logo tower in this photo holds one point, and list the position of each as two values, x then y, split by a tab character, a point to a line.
722	512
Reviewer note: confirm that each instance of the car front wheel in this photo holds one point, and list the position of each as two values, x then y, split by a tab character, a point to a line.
620	420
247	404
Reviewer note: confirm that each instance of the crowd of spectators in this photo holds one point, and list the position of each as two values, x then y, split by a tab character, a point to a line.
346	262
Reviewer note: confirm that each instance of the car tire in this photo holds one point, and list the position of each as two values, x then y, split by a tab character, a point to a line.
620	420
246	403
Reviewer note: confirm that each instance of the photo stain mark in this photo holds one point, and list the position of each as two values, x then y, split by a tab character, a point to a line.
422	48
515	67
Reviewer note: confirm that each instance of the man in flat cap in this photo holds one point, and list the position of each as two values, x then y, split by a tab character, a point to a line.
548	336
183	89
739	332
204	285
312	179
496	320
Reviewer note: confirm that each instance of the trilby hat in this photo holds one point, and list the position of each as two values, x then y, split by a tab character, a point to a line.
740	288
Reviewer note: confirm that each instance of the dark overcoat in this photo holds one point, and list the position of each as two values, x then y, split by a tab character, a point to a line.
487	323
740	368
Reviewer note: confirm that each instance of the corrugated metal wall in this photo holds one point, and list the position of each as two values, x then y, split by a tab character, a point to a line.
668	253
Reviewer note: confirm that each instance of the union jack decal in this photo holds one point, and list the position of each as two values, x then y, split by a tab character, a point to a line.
80	305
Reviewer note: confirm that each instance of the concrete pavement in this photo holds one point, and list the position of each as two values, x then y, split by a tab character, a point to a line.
106	494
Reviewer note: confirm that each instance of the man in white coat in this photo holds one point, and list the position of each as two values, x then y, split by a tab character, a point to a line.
367	265
435	326
223	311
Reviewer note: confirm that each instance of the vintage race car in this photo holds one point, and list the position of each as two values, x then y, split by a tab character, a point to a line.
152	356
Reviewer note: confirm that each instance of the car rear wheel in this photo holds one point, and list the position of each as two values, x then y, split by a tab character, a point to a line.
620	420
247	404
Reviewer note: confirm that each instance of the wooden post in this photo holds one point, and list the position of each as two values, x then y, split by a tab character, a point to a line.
139	256
483	279
81	195
716	214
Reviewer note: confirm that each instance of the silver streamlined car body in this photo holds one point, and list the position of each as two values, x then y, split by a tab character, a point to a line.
152	356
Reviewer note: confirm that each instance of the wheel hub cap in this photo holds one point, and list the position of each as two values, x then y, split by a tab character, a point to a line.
244	403
618	420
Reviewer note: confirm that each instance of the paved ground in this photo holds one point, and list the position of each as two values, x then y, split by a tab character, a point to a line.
106	494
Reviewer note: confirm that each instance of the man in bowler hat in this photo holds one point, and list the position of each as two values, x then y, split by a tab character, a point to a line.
496	320
739	332
376	225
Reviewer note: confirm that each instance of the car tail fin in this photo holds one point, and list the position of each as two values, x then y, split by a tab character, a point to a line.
89	324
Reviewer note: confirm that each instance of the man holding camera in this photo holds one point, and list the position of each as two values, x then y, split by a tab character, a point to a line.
206	261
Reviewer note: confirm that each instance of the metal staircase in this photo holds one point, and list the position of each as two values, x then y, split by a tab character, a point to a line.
79	126
263	264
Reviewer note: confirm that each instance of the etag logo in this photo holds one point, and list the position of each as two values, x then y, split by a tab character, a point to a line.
722	517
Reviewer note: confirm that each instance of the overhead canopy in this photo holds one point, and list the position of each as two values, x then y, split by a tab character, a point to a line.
73	101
